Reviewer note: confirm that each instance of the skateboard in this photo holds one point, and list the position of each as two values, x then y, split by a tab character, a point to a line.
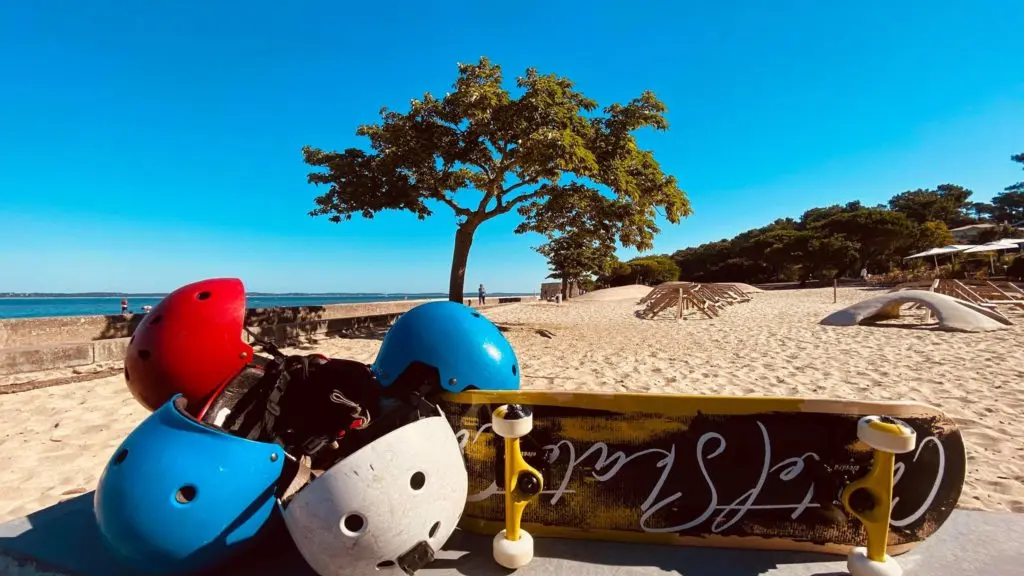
865	479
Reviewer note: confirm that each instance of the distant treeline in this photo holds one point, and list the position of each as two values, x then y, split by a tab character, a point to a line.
834	241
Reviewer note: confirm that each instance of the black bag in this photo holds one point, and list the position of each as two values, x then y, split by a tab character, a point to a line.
313	400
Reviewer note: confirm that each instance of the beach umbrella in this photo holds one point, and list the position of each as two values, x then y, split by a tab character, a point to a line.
993	247
935	252
930	252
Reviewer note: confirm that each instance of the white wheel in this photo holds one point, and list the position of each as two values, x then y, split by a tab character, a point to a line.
513	554
858	564
511	424
886	440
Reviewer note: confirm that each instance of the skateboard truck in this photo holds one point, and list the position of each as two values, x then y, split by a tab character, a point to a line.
870	498
513	546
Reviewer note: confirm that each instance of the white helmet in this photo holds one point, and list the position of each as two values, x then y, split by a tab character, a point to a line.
387	507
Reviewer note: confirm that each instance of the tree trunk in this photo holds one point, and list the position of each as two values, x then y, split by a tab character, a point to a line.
460	256
565	289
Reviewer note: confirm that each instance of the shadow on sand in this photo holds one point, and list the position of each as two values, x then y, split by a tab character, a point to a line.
63	538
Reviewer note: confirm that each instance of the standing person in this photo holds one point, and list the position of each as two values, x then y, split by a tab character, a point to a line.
481	294
124	305
864	273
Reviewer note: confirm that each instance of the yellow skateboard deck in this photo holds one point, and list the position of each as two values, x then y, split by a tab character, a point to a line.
745	472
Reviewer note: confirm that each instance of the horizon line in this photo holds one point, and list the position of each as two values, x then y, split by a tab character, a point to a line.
13	294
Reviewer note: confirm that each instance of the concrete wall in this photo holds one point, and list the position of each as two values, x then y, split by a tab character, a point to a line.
64	355
37	344
549	290
24	332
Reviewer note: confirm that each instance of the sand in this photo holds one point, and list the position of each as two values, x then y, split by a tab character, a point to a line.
632	292
54	441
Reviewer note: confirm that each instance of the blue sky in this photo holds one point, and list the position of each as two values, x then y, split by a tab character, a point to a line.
149	144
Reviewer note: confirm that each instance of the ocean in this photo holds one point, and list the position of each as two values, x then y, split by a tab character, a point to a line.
17	307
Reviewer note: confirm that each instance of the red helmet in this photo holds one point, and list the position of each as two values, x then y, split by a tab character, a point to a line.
189	343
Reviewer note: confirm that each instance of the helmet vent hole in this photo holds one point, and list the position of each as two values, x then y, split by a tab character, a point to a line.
353	524
204	295
417	481
144	354
476	314
515	370
185	494
156	319
386	564
120	456
434	529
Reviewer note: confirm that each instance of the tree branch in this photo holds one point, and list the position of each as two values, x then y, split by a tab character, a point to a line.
504	208
459	210
518	185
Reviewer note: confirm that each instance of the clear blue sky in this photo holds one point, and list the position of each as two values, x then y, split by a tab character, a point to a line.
144	145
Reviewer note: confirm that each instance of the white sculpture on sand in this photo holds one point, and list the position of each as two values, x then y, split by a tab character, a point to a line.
953	315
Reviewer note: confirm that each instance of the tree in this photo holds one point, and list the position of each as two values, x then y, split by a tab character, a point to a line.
1009	204
514	151
575	256
879	233
816	215
828	254
616	274
997	232
932	235
780	249
648	270
1007	207
948	204
653	270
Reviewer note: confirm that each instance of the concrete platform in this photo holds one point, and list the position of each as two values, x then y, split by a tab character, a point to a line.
63	540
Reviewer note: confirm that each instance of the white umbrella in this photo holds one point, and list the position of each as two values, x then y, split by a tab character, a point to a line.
934	252
998	245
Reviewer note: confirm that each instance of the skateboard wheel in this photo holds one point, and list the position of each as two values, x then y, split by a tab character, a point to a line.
858	564
886	434
512	421
513	554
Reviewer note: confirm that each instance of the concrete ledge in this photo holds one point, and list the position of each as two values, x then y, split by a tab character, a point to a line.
34	332
65	355
26	332
109	350
17	360
296	332
280	326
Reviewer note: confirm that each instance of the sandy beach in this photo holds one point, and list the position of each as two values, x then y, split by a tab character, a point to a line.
54	441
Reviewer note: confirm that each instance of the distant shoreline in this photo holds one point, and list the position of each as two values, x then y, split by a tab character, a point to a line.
13	307
27	295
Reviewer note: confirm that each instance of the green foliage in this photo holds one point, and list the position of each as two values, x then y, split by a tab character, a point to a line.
930	235
1007	207
576	256
997	233
649	270
826	242
549	154
945	204
837	240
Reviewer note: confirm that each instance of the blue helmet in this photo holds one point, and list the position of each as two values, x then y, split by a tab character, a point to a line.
467	349
179	496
